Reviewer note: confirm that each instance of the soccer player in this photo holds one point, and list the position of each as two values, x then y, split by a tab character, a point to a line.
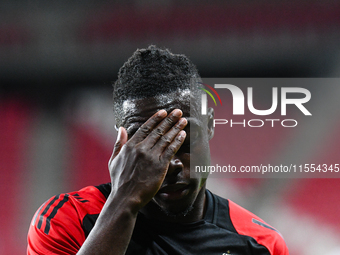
152	206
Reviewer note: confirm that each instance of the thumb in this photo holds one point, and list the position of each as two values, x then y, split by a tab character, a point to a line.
121	140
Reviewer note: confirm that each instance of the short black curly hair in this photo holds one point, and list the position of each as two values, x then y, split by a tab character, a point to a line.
150	72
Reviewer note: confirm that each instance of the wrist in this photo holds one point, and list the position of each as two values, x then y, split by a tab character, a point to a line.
120	200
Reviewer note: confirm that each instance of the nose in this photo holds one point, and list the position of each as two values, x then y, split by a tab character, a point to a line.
175	166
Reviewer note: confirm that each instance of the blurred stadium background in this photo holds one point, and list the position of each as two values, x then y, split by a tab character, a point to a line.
57	62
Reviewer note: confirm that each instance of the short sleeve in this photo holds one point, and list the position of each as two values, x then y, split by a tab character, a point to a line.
246	223
56	228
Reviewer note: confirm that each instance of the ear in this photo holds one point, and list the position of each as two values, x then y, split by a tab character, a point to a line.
210	122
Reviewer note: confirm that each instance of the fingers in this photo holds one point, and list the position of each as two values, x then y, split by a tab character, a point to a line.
174	146
159	135
122	138
165	140
147	127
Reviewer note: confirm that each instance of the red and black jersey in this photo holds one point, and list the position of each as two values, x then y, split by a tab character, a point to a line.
61	225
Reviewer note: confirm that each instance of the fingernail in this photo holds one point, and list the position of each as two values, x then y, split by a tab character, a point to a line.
181	135
162	113
182	121
177	113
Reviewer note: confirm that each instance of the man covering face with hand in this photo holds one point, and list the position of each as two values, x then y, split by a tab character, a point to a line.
153	205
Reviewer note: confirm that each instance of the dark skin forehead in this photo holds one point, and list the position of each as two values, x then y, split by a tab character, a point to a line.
138	111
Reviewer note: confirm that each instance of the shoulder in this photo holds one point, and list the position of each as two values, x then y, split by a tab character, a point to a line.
59	225
248	224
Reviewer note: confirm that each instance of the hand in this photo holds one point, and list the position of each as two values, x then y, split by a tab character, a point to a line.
139	166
